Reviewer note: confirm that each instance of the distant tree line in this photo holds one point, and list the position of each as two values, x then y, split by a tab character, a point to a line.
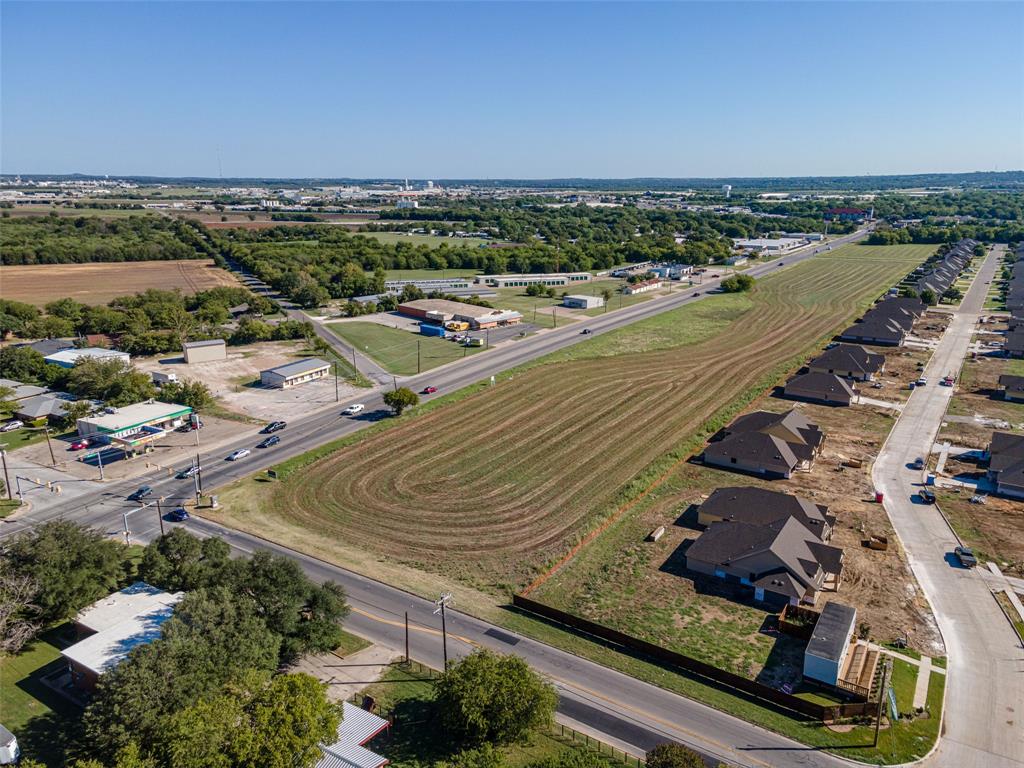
57	239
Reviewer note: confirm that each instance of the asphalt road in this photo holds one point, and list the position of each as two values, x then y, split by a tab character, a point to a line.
984	710
619	709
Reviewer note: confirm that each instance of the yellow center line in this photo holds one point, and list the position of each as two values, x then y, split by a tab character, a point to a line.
695	736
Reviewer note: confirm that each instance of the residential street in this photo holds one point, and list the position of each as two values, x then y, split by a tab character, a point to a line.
984	710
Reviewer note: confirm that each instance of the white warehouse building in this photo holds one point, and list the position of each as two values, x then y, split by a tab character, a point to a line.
293	374
582	302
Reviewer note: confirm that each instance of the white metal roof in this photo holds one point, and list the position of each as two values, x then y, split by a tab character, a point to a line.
131	601
135	415
299	367
207	343
356	728
107	648
71	356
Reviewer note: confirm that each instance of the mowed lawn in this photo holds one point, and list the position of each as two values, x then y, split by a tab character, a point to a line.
494	489
400	352
431	241
98	283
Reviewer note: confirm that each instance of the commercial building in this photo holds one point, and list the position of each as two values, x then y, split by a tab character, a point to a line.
204	351
441	311
66	358
554	280
772	246
829	645
642	287
111	627
292	374
134	426
582	302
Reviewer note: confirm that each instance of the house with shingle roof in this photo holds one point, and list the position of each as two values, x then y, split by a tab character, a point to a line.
759	506
825	388
1011	388
850	361
1006	464
772	445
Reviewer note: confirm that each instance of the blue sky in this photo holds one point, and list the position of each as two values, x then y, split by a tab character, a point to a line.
521	90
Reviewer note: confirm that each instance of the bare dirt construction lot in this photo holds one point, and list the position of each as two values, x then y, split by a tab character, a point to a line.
99	283
657	599
995	529
235	381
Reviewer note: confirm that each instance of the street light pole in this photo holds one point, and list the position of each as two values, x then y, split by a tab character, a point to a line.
441	603
7	478
49	445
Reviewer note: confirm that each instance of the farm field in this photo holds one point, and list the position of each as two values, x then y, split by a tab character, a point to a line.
21	211
400	352
514	451
98	283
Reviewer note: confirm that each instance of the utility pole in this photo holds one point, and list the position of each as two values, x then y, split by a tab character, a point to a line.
417	355
99	461
444	600
406	637
394	383
160	514
354	366
554	318
7	478
199	474
335	381
49	445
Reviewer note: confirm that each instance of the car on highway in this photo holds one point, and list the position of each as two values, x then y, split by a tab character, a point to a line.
241	453
781	263
918	463
966	557
832	345
185	474
140	493
586	332
696	293
178	515
353	409
428	390
10	426
274	426
79	445
269	442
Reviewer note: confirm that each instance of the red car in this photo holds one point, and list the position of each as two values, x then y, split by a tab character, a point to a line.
429	390
79	445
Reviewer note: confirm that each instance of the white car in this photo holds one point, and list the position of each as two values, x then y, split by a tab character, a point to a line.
10	426
240	454
353	409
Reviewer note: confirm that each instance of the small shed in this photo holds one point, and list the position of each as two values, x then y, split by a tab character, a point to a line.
829	643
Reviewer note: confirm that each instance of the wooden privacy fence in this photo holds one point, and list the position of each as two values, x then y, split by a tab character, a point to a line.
797	621
711	674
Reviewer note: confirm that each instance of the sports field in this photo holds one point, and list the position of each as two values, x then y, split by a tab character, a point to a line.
494	488
98	283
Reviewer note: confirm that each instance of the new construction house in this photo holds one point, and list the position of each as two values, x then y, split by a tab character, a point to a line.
849	361
772	445
1006	464
825	388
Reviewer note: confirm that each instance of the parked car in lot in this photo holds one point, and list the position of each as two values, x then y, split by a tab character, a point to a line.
966	557
270	442
274	426
241	453
178	515
188	426
12	425
187	473
82	444
428	390
353	409
141	493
